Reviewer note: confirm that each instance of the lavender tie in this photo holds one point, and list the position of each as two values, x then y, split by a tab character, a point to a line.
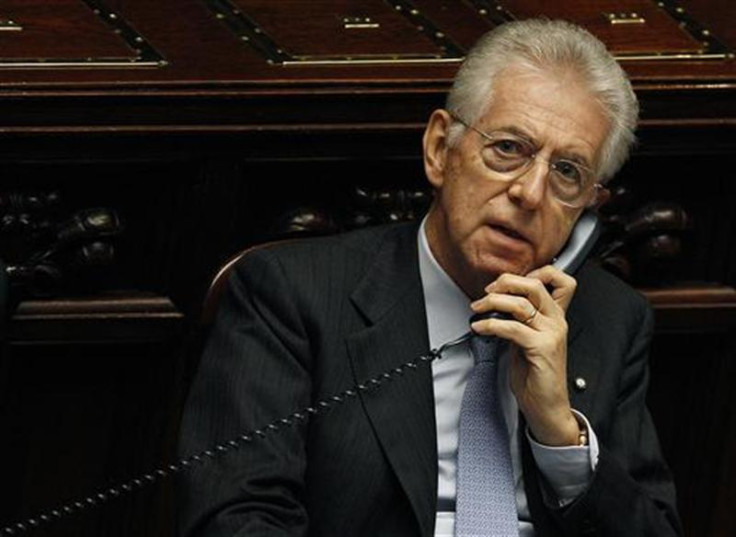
486	499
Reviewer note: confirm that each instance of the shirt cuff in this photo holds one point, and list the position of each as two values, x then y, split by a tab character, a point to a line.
567	469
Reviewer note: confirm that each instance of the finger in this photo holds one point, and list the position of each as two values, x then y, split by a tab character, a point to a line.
531	288
518	307
561	285
518	333
536	347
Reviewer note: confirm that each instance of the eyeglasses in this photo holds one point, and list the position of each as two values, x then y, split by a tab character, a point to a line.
511	156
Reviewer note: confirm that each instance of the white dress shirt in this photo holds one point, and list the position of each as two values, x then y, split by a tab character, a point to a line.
568	470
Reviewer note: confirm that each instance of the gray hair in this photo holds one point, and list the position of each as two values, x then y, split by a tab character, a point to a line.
545	45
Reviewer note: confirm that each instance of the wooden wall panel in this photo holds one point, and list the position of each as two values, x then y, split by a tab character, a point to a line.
71	30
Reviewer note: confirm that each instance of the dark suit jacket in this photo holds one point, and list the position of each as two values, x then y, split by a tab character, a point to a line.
309	319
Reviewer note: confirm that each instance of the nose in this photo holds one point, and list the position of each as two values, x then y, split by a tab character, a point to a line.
528	190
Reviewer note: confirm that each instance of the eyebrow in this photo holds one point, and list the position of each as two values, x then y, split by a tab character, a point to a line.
516	131
573	156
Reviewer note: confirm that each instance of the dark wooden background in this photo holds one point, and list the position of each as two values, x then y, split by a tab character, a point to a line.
203	147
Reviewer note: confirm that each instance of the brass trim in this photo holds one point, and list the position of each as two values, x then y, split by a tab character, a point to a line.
623	18
7	25
368	61
359	23
42	63
673	56
306	62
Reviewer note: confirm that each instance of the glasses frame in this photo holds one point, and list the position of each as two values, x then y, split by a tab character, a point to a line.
586	198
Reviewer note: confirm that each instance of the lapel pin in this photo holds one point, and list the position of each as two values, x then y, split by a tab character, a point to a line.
580	384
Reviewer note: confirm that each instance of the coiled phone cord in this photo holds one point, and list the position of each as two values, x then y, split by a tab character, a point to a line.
192	461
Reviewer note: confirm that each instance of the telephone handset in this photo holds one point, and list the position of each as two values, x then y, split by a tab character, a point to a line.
578	246
581	242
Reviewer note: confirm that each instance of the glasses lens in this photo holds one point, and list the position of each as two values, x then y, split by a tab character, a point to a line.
506	153
570	181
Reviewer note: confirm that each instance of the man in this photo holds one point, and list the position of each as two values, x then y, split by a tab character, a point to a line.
539	115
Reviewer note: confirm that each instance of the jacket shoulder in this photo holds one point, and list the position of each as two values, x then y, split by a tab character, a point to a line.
348	255
604	299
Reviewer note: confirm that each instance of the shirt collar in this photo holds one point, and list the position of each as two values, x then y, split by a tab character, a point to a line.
447	306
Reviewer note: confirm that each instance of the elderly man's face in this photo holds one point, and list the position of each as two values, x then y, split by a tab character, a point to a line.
480	226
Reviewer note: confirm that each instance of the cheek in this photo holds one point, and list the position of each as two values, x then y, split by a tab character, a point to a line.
559	231
470	185
463	195
470	205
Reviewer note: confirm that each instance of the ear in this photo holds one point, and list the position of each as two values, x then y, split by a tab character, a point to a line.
602	196
435	146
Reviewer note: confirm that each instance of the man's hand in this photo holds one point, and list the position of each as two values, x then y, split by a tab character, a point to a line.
538	330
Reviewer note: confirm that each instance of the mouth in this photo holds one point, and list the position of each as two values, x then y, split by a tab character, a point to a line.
509	232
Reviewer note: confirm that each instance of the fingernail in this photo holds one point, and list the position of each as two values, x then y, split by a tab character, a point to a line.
475	326
475	305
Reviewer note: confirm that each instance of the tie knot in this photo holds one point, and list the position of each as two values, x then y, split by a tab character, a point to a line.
484	348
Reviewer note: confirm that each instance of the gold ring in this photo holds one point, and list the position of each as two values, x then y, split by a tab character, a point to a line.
531	317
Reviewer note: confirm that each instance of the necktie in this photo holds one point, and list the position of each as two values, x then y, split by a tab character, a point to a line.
486	500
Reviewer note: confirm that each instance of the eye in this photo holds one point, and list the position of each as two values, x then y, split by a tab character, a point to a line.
570	171
506	152
510	148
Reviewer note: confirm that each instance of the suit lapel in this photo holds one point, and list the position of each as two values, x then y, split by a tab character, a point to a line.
580	365
401	411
